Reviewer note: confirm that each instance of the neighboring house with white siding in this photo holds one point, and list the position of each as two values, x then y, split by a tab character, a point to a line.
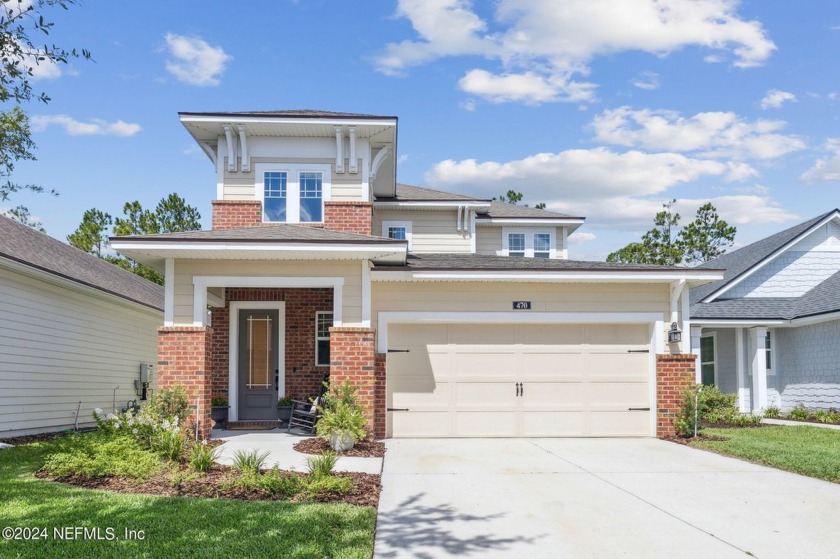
73	329
769	331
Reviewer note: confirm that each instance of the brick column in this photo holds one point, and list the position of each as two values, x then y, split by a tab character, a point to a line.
674	372
184	358
379	402
229	214
352	358
350	217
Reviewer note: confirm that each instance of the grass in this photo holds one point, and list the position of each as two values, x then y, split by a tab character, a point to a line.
810	451
172	526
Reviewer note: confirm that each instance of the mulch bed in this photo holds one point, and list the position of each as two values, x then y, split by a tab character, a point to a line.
723	425
363	449
217	484
698	438
40	437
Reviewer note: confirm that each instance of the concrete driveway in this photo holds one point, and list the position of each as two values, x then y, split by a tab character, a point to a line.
570	498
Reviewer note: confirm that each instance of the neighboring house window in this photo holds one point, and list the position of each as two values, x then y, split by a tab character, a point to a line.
293	193
531	243
398	230
516	244
323	321
707	359
311	197
274	196
768	352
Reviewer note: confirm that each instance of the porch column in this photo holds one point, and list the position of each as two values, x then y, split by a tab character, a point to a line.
743	390
353	359
184	360
758	366
696	334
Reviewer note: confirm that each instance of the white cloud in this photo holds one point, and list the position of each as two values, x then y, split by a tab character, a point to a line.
580	174
647	80
711	134
775	98
95	127
578	238
194	61
825	169
543	48
469	105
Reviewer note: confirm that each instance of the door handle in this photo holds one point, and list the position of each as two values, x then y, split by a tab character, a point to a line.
521	389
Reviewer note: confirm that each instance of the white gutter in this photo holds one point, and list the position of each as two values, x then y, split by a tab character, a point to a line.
778	322
540	276
391	248
288	120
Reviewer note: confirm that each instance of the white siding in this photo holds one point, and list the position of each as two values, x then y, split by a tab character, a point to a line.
60	346
433	231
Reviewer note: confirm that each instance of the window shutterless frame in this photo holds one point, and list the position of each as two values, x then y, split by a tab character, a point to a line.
392	230
529	242
323	321
302	189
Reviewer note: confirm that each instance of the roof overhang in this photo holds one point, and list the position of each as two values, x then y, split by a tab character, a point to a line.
478	205
693	278
571	223
777	322
155	253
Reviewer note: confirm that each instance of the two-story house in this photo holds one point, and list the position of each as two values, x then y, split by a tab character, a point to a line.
456	316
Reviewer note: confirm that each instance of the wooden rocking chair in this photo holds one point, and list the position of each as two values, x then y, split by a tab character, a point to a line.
305	414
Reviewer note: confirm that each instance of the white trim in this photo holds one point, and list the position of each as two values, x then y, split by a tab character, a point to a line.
377	161
339	150
472	232
565	240
211	153
696	334
201	283
366	306
233	349
317	339
737	323
530	233
169	292
68	283
354	165
387	122
686	321
740	372
369	248
243	147
408	230
231	166
771	372
714	361
655	327
559	275
385	318
420	205
523	221
756	267
758	366
293	171
220	171
816	319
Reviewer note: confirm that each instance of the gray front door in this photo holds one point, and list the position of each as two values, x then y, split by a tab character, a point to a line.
258	363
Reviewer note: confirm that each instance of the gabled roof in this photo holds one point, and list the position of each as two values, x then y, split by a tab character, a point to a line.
37	250
275	233
742	261
502	210
289	113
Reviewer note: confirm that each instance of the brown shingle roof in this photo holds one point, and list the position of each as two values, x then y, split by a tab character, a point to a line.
276	233
40	251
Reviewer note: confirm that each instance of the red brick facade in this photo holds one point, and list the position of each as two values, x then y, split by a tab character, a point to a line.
228	214
379	402
184	359
350	217
303	378
673	374
352	358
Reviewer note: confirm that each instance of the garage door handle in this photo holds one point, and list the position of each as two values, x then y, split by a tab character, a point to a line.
638	351
396	409
398	351
638	409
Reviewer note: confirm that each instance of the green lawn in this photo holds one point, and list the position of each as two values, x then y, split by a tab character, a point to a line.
174	527
810	451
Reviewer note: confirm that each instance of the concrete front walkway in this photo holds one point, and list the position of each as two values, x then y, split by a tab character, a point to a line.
592	498
278	443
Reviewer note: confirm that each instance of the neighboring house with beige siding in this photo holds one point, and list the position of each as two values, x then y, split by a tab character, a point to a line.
456	316
74	331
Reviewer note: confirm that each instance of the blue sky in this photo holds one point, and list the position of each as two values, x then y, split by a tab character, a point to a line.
602	108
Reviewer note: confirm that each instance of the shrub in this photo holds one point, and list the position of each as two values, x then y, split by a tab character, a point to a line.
95	455
712	405
218	401
799	413
202	457
342	413
284	402
745	420
167	403
826	416
772	412
320	466
312	487
169	441
249	463
280	483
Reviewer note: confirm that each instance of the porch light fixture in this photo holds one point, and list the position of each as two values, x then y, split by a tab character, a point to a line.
674	334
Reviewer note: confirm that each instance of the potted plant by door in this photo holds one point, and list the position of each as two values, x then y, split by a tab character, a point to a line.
284	409
219	410
342	420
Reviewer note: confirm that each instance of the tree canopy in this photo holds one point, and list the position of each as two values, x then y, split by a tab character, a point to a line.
514	197
172	214
704	239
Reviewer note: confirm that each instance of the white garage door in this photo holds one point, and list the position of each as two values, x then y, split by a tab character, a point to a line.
534	380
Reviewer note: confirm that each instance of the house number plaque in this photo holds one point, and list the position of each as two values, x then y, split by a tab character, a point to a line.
522	305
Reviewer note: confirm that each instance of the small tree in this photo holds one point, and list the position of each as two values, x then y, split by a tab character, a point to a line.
92	234
21	215
513	197
705	238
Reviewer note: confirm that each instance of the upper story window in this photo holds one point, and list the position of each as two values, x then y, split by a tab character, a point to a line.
533	243
400	230
293	193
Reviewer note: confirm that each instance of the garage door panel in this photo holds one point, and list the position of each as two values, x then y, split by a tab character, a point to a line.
543	363
473	363
618	423
554	423
438	395
485	424
618	394
484	394
422	424
552	334
621	334
554	394
405	335
621	365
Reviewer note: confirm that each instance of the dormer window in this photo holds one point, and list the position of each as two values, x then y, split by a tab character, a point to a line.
530	243
292	193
